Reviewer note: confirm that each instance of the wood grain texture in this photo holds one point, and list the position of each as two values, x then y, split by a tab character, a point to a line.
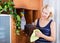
13	29
28	4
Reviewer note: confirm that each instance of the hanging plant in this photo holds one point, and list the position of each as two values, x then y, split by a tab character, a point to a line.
8	8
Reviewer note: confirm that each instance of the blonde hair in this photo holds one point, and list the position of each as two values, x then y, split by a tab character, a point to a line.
51	11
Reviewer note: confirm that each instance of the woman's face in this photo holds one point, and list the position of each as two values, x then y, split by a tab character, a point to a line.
45	13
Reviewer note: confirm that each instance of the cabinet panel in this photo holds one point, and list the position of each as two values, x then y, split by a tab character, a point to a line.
5	29
28	4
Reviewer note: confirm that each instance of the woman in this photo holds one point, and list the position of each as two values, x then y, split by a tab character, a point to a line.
46	25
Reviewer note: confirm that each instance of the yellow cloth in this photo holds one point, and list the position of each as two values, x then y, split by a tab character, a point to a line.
33	36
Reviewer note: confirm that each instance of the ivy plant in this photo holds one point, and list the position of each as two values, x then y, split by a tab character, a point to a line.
8	8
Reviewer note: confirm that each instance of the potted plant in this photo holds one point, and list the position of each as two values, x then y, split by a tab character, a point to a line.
8	8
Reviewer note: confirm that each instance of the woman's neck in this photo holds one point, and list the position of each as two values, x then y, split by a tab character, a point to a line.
43	19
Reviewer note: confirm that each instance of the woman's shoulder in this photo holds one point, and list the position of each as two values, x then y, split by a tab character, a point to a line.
52	23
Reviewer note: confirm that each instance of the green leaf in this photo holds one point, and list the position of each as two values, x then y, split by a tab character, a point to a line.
5	8
19	27
1	7
0	0
18	18
11	12
1	11
18	32
15	15
10	3
10	8
5	3
17	24
15	11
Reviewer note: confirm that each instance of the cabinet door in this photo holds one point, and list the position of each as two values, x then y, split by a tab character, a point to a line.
5	29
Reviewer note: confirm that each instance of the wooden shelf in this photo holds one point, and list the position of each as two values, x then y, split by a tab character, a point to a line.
28	4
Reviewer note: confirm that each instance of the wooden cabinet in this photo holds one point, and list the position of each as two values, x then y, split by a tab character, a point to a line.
32	10
22	38
28	4
30	15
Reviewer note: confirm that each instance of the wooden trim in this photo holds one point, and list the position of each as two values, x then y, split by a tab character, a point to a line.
13	29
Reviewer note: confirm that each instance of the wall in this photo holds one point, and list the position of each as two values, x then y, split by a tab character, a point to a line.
56	6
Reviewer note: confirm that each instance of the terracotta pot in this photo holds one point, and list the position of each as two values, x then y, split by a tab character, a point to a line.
28	4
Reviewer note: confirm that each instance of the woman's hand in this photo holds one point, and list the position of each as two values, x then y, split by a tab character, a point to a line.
38	34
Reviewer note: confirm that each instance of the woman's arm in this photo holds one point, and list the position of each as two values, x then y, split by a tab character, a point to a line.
49	38
53	33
